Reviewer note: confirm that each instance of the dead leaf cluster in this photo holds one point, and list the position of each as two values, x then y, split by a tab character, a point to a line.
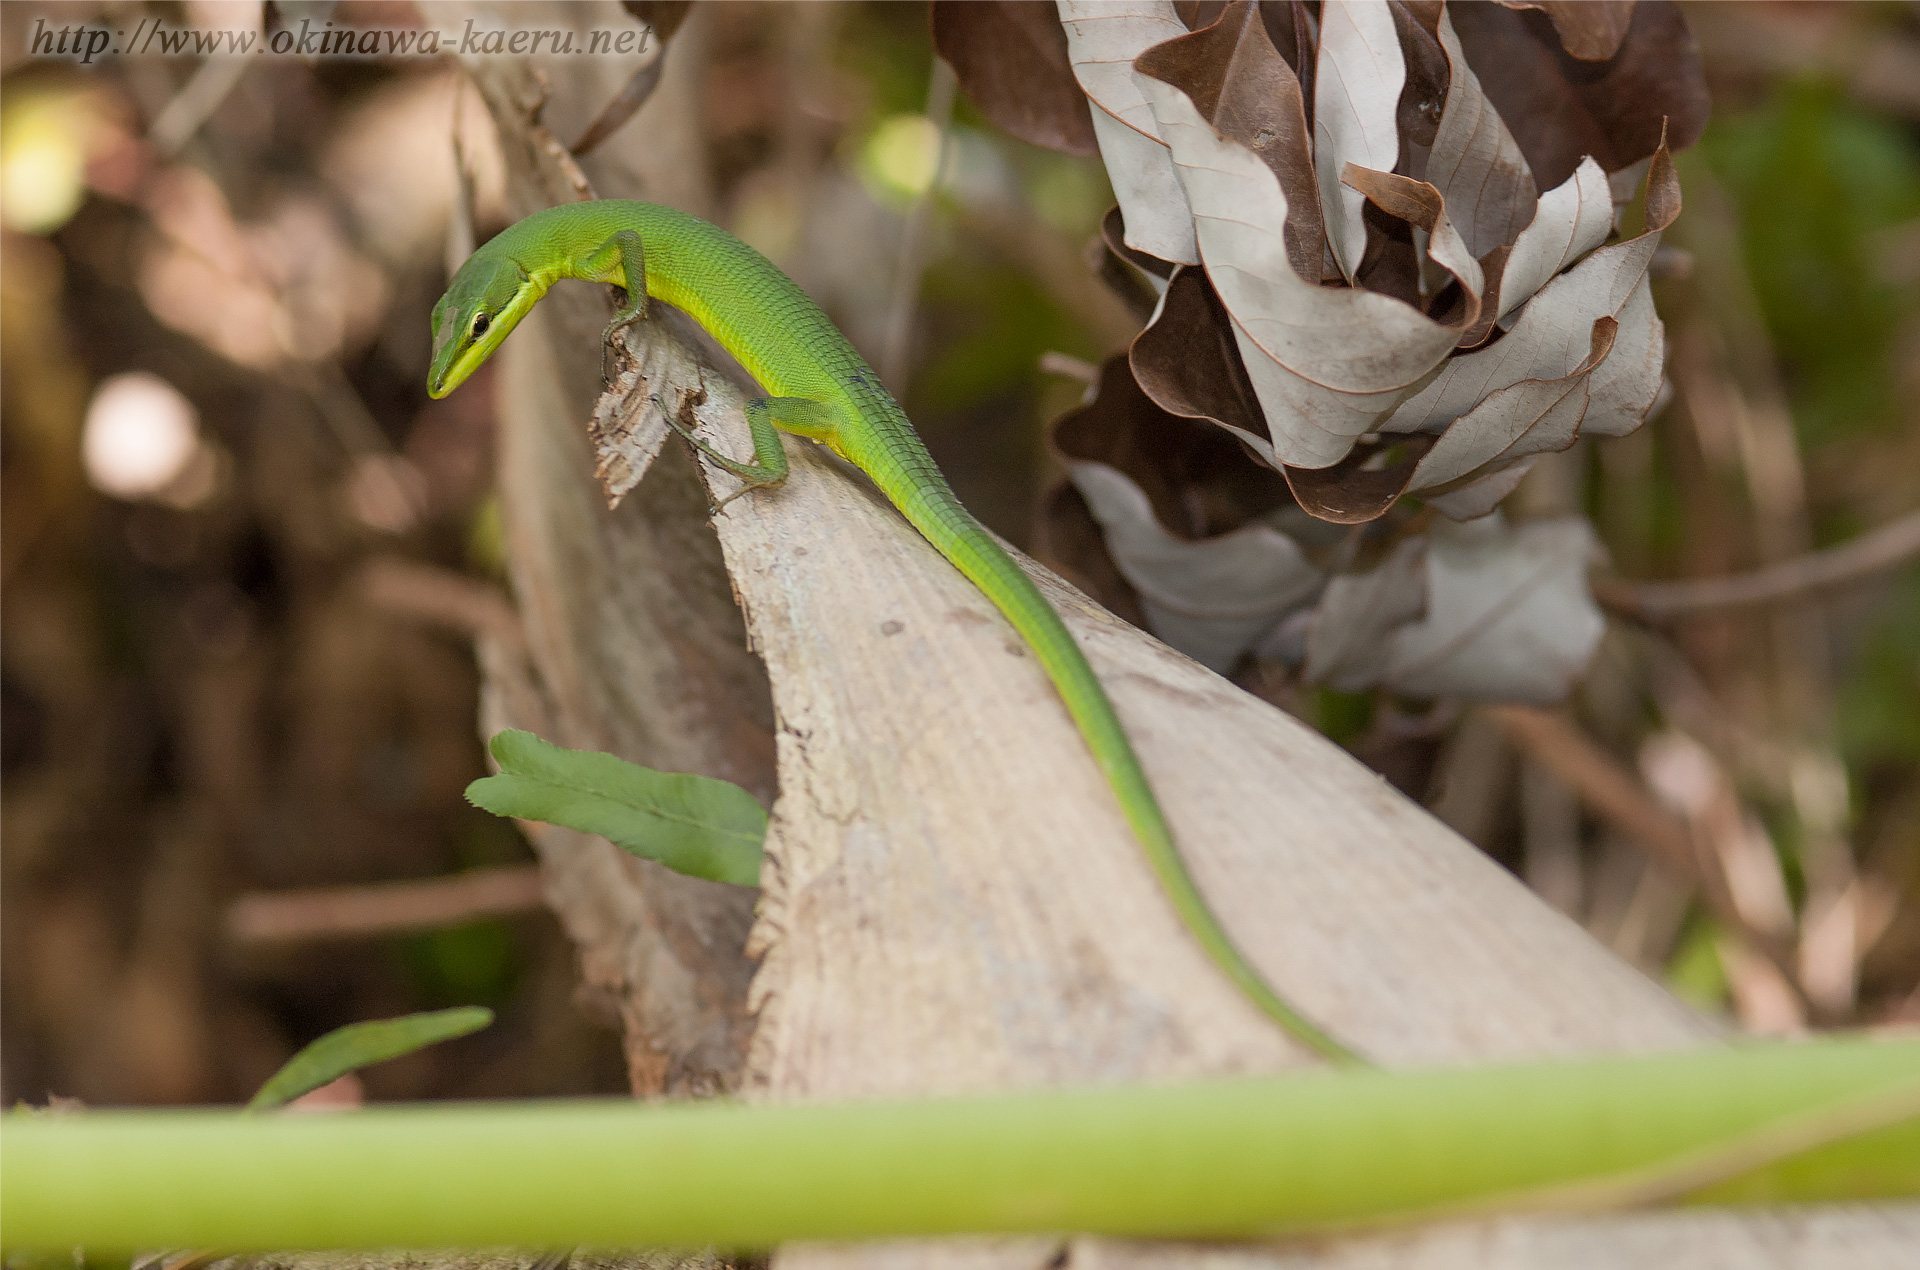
1391	248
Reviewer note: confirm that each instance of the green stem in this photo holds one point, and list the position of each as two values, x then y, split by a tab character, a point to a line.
1222	1159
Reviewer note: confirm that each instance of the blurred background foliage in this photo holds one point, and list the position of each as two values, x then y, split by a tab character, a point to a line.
243	554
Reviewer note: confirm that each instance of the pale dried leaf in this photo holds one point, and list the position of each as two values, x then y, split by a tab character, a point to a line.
1358	614
1509	617
1627	386
1532	417
1212	599
1572	219
1475	162
1480	496
1356	93
1327	363
1102	41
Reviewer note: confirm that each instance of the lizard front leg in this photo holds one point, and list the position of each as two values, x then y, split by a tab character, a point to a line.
622	260
767	417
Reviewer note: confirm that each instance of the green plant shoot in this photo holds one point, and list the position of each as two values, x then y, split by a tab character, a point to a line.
695	825
357	1045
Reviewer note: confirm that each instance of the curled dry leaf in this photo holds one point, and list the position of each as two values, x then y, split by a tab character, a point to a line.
1423	97
1531	417
1572	219
1103	38
1482	611
1377	301
1186	362
1474	161
1211	599
1197	479
1358	615
1010	58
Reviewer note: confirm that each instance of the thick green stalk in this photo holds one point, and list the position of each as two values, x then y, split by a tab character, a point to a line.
1233	1158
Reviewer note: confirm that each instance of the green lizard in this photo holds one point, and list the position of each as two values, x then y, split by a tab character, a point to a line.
820	389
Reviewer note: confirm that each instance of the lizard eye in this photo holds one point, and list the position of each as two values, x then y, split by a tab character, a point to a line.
480	325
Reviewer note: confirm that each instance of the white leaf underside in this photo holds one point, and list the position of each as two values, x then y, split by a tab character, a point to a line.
1211	599
1479	611
1509	616
1356	88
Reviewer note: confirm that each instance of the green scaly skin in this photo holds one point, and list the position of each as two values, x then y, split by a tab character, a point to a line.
821	389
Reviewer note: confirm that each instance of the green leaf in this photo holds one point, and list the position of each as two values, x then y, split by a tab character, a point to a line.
695	825
358	1045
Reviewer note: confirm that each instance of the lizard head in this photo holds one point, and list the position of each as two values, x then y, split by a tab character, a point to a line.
485	301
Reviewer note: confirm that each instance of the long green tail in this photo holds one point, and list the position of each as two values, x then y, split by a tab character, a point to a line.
958	536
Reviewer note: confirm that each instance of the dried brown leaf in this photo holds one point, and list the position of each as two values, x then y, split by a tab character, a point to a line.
1360	487
1424	96
1185	360
1010	57
1561	109
1591	30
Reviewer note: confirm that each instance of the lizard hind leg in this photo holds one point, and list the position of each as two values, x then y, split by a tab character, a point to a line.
767	418
621	260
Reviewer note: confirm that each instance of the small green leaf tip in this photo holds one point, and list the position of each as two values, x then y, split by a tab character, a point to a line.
695	825
358	1045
